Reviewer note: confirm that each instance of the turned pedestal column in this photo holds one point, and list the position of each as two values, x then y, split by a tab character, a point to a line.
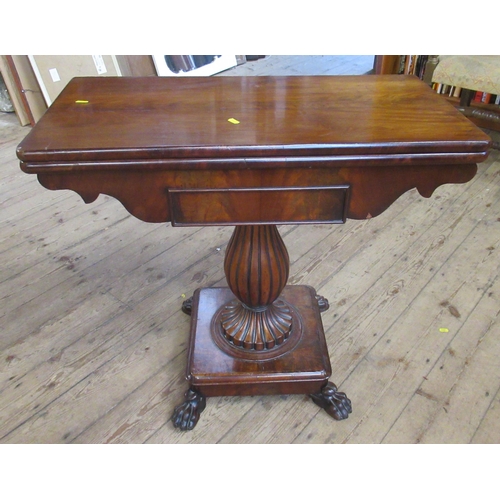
256	267
258	336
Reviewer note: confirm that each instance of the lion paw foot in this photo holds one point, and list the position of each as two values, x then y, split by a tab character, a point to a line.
335	403
187	414
187	306
323	303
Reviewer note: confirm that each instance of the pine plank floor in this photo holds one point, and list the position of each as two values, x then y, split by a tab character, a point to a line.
93	341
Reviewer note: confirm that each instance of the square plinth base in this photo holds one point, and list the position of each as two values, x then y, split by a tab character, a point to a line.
300	365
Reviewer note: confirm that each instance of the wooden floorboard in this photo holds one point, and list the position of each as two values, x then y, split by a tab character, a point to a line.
93	343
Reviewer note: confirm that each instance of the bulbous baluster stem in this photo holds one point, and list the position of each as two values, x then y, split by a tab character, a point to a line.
256	267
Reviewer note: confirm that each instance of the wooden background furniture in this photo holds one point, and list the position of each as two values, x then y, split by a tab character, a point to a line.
254	153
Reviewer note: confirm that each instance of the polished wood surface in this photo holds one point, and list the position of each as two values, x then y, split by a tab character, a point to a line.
161	149
283	205
299	366
256	265
380	135
143	192
160	118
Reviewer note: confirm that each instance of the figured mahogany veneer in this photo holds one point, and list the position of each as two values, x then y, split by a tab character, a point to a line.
194	207
299	150
298	366
137	138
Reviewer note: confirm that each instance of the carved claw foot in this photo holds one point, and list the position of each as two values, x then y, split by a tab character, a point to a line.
323	303
187	414
335	403
187	306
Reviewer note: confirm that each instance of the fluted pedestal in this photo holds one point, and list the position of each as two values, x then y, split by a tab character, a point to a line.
257	336
256	267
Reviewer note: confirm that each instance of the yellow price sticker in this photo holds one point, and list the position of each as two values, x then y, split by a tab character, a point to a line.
234	121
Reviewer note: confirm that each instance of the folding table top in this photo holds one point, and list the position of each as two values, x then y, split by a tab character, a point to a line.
155	118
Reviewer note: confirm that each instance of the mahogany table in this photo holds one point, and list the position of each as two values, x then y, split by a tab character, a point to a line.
254	153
